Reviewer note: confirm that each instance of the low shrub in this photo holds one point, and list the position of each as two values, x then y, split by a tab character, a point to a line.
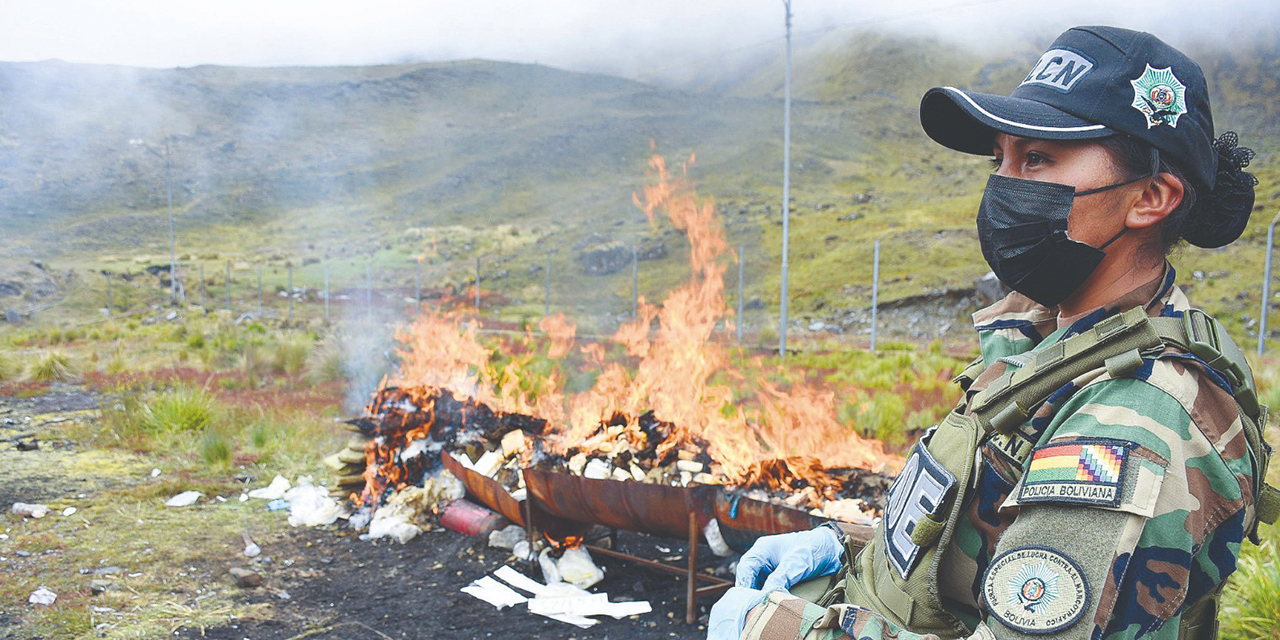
290	354
214	448
53	366
180	409
9	370
325	362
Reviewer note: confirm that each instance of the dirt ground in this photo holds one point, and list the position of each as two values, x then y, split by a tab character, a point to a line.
321	583
340	587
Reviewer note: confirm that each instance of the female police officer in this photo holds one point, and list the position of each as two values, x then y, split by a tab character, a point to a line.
1104	464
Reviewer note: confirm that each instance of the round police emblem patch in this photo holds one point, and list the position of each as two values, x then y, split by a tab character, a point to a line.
1035	590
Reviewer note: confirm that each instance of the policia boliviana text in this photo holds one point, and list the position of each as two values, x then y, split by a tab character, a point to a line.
1105	461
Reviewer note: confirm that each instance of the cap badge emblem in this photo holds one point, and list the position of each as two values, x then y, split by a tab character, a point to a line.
1160	97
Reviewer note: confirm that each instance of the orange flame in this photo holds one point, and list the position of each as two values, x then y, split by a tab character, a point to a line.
763	437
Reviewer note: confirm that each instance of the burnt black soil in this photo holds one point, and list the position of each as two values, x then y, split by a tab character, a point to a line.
338	586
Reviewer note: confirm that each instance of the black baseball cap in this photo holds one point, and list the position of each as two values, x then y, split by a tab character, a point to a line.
1093	82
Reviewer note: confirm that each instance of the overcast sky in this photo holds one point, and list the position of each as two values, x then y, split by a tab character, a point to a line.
629	38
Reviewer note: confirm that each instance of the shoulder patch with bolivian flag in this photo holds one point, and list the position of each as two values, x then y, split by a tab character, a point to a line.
1088	471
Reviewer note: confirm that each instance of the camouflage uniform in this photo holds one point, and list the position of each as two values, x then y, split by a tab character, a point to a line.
1168	533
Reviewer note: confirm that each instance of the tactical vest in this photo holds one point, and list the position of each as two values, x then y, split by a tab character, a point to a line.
905	590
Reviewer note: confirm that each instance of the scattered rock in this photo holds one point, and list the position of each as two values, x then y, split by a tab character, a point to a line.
108	571
605	258
42	596
184	499
31	510
246	578
98	586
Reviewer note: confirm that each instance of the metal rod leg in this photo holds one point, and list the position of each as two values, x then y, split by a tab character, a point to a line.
692	553
530	533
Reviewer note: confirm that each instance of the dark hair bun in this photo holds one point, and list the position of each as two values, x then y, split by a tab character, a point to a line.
1221	217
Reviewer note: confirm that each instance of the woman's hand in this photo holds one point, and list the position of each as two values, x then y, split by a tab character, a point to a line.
729	613
778	562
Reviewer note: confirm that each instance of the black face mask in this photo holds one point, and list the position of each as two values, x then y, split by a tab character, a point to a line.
1022	227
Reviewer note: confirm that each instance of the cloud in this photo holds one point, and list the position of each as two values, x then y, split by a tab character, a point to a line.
603	35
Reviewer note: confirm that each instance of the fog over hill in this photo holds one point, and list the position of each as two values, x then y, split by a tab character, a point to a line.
288	156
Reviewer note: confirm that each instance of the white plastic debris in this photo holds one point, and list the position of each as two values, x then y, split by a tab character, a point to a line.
508	537
68	512
244	497
408	512
494	592
716	540
390	522
32	510
594	604
42	596
155	473
251	548
310	505
597	470
577	568
567	603
273	491
550	572
184	499
523	551
489	463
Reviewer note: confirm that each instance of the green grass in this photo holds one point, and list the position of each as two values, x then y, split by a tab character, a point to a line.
9	369
1251	604
290	352
180	409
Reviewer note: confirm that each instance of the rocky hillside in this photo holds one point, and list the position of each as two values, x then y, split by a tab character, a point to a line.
453	161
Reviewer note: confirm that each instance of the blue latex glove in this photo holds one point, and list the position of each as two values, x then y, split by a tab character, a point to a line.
778	562
729	613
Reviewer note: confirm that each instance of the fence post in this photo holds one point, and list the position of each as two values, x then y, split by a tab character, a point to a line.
109	310
228	286
259	292
875	293
1266	285
547	311
741	259
290	291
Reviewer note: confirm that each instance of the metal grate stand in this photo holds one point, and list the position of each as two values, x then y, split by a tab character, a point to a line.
689	571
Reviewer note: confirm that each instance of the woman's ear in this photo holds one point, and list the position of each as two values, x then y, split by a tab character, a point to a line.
1161	196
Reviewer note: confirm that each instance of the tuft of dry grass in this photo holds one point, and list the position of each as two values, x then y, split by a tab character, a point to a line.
53	366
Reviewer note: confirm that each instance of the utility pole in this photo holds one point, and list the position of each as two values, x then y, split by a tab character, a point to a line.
742	251
547	301
173	253
786	188
168	182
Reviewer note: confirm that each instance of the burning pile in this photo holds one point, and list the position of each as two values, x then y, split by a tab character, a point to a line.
670	418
